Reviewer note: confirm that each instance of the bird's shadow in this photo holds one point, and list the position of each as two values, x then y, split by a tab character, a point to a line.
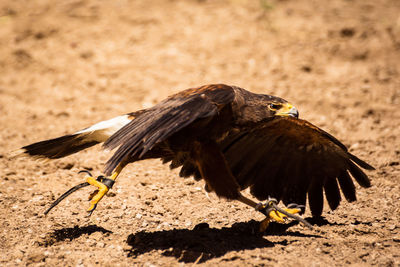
196	245
70	233
203	243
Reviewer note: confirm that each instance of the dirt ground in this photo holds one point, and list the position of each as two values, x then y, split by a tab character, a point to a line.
65	65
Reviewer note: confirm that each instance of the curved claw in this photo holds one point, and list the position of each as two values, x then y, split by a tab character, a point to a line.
86	171
91	209
76	188
295	206
69	192
272	200
102	183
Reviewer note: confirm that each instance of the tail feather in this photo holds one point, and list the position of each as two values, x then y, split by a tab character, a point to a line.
58	147
69	144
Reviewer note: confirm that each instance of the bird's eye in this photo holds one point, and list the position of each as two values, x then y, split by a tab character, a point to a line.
273	106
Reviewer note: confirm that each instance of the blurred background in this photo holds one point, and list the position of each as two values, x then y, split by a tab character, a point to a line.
121	55
67	64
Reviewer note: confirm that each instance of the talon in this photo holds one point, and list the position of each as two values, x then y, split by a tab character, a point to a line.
273	212
102	183
292	206
296	206
99	193
91	209
66	194
277	216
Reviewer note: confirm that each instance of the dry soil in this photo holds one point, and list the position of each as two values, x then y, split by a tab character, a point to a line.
65	65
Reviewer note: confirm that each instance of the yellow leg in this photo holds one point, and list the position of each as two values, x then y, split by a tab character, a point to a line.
280	217
99	193
277	216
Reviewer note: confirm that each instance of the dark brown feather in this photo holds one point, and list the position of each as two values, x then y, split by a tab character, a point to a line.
359	175
163	120
332	193
288	158
215	170
315	197
58	147
347	186
360	162
190	169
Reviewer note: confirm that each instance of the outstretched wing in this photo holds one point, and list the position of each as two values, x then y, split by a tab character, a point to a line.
165	119
290	159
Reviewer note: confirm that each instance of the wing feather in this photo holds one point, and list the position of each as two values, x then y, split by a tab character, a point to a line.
290	159
315	197
347	186
296	190
359	175
165	119
332	193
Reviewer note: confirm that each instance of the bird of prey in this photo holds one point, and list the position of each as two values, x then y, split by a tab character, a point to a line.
232	139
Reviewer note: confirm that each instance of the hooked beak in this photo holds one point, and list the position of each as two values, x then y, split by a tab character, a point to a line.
288	110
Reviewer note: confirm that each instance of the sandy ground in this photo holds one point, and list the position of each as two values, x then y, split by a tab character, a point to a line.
67	64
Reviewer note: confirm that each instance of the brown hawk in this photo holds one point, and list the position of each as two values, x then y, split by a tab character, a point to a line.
231	138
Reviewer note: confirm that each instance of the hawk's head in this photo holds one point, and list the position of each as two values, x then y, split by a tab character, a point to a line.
282	108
